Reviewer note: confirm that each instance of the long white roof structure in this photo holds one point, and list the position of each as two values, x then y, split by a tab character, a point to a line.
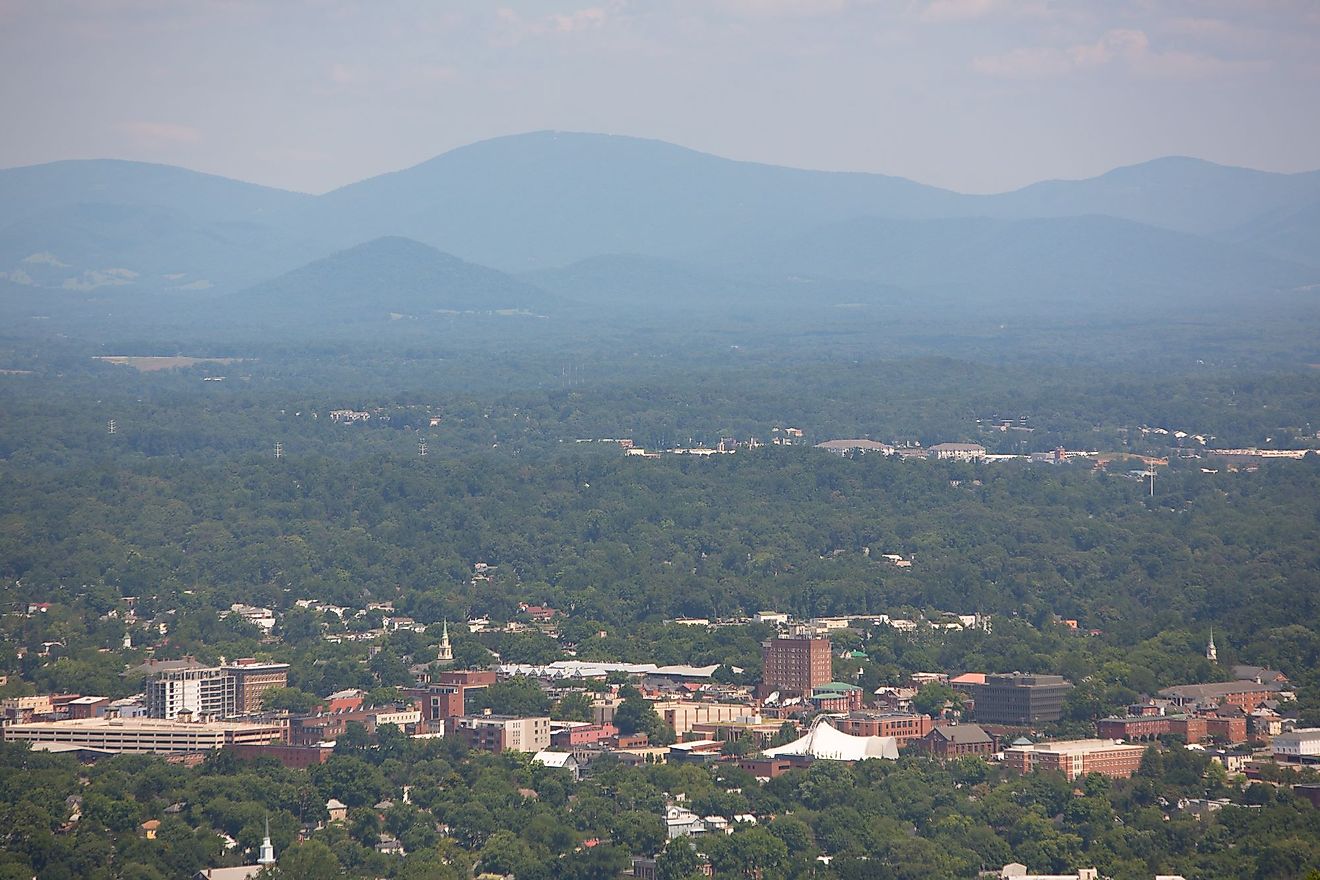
825	742
599	669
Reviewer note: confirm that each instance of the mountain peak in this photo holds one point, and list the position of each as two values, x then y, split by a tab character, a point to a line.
390	275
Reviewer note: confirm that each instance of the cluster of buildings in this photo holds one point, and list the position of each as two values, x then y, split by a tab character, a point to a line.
797	713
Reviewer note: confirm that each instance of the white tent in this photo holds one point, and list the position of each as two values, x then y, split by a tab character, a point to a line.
828	743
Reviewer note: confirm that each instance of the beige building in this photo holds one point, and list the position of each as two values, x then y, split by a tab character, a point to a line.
678	714
500	733
144	735
958	451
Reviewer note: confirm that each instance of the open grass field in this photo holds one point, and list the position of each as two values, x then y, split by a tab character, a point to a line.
153	364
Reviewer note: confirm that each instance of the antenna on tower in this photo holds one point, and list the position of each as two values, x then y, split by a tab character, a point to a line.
111	427
1150	472
279	449
421	448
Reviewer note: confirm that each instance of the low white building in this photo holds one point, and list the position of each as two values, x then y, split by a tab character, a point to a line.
682	822
1299	746
561	761
957	451
1018	871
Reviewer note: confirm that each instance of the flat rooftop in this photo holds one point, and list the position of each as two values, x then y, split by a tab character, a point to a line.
159	724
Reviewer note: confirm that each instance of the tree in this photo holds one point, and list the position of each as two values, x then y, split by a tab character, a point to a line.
573	706
636	715
354	739
288	699
795	834
505	853
678	861
933	697
311	860
747	853
638	832
350	779
520	695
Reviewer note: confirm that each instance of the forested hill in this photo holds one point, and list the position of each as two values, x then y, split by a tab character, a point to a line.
374	282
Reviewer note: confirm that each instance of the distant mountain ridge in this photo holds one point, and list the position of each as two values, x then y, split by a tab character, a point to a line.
1029	261
561	207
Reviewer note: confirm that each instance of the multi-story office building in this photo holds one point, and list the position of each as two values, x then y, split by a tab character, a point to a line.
450	694
1018	698
795	666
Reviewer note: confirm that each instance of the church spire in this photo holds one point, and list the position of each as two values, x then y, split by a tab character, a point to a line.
446	653
267	848
1211	653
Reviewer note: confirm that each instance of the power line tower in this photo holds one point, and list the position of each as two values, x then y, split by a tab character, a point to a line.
279	449
112	427
421	449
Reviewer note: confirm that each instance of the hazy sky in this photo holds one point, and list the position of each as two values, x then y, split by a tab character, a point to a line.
976	95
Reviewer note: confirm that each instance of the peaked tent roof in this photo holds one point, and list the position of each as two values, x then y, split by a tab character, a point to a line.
824	741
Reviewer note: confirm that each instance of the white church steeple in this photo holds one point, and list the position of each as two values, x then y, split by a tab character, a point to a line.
1211	653
446	652
267	848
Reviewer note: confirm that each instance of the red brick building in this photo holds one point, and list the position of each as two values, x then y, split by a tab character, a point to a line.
956	740
795	666
571	734
1077	758
1192	728
88	707
449	694
905	727
1246	695
766	768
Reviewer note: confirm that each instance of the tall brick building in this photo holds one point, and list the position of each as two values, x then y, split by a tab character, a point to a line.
450	694
795	666
252	679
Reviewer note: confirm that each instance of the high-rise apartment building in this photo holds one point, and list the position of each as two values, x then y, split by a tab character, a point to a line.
210	691
204	691
795	666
